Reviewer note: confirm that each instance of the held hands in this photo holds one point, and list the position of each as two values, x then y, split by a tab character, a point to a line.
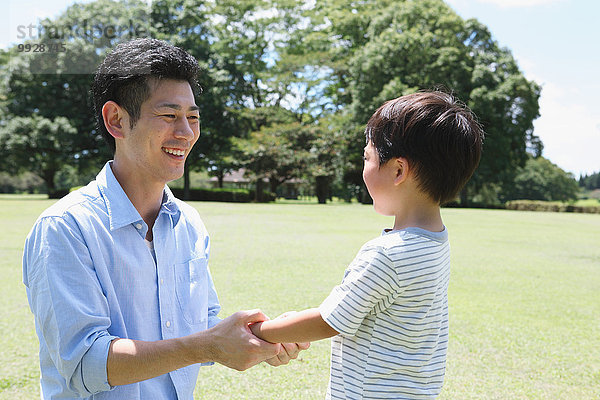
233	344
290	351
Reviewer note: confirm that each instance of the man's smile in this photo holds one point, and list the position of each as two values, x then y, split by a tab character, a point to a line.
174	152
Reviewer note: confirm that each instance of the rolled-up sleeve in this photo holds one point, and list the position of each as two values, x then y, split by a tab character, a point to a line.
68	302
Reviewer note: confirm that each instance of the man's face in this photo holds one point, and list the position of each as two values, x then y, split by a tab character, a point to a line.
160	141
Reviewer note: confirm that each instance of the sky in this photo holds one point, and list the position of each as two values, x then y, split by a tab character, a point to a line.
555	42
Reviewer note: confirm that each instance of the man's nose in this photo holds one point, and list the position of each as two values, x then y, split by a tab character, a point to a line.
183	130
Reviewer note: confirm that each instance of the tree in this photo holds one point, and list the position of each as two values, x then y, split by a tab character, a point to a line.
540	179
39	145
378	50
186	24
46	85
231	40
276	149
590	182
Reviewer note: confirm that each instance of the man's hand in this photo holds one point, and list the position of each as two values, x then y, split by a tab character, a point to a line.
232	344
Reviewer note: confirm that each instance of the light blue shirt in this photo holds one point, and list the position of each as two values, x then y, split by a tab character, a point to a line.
91	278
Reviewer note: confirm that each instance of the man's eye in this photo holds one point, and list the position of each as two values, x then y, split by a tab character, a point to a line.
193	117
168	115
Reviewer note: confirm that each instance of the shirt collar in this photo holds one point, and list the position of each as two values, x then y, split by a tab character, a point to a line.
170	206
121	211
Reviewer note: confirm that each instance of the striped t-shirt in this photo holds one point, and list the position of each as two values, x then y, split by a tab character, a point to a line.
391	311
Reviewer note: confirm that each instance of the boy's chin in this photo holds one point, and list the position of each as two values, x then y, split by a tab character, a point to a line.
382	211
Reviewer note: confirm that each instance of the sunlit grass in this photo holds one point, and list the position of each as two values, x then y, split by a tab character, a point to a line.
524	296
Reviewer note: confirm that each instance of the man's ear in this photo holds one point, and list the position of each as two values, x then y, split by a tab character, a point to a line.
115	119
402	168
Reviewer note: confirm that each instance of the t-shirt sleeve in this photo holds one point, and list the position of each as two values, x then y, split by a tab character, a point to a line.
370	285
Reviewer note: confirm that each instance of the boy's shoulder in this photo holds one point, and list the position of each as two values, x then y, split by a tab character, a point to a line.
391	239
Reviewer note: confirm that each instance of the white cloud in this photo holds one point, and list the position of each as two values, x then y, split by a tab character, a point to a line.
569	128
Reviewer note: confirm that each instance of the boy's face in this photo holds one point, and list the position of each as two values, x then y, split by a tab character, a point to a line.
379	180
158	144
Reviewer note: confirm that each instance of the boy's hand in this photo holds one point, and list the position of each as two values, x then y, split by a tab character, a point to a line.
291	349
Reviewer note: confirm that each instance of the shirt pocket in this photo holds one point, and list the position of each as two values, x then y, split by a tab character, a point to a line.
191	289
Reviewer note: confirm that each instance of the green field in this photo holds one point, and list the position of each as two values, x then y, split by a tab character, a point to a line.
524	296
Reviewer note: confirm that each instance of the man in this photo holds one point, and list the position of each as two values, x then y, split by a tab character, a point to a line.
116	272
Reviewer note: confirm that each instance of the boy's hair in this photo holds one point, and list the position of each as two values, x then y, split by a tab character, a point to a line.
125	74
438	135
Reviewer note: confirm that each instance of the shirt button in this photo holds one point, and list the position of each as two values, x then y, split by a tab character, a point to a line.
168	324
162	281
138	225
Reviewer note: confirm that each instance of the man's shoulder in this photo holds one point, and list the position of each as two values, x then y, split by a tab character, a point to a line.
185	207
189	213
75	203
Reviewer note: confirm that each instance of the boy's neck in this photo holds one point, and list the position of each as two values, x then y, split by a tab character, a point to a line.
421	214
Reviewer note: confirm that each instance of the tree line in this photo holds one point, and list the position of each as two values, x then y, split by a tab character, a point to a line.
287	89
590	182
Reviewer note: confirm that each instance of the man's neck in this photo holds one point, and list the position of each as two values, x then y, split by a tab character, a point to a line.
145	194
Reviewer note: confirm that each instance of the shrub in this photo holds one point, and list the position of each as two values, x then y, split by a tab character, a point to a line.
533	205
225	195
58	193
26	182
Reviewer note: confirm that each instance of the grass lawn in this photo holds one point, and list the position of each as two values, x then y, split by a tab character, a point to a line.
524	296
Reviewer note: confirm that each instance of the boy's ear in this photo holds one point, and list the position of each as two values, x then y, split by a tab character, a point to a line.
115	119
402	168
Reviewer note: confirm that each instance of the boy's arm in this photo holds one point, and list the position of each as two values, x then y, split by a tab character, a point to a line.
303	326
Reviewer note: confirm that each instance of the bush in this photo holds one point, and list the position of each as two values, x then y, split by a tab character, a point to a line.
58	193
539	179
267	197
225	195
26	182
533	205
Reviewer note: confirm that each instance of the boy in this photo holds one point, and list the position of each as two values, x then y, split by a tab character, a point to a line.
389	315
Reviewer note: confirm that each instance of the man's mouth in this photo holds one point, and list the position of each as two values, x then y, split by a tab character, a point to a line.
174	152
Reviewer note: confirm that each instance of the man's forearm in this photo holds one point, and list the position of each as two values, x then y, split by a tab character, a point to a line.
229	343
131	361
303	326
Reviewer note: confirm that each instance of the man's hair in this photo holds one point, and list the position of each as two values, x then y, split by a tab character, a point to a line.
125	74
438	135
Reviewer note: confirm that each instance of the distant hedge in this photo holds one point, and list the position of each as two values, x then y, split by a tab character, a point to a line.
218	194
58	193
533	205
